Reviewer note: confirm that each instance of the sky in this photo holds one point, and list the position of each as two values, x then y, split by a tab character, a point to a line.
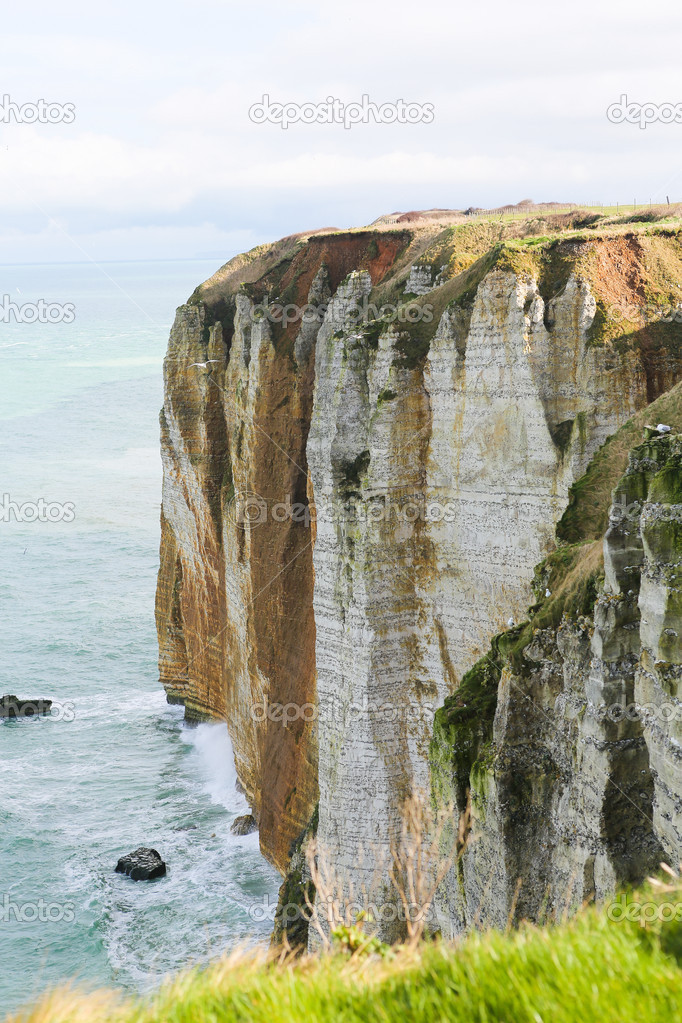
160	158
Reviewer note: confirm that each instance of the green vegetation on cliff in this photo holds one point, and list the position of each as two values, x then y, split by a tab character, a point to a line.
566	584
632	264
586	516
633	276
463	726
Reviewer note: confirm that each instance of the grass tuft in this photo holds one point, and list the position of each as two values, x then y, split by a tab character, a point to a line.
591	968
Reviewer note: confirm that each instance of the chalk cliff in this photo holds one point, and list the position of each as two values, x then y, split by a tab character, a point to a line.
564	741
356	494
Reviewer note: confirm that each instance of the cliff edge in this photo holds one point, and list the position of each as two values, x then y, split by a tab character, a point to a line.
368	440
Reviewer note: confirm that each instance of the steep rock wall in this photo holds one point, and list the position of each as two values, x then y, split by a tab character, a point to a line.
430	467
432	545
575	786
234	602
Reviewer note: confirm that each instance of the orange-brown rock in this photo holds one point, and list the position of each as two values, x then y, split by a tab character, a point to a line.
235	597
489	401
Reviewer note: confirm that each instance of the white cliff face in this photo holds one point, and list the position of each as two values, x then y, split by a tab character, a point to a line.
446	485
493	462
499	387
438	467
365	452
575	790
420	281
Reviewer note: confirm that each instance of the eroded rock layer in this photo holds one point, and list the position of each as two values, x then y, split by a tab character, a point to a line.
569	767
354	502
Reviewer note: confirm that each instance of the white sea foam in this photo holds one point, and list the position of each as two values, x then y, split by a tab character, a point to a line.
216	765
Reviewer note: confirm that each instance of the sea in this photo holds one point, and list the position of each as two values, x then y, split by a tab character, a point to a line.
112	767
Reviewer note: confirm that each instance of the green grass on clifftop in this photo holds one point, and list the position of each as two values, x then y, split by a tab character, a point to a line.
590	969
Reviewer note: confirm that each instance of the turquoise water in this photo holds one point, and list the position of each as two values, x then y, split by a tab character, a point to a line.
114	767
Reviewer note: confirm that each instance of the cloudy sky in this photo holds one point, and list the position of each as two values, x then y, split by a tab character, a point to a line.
162	160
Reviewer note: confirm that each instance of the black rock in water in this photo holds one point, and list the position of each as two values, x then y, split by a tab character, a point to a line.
142	865
13	707
244	825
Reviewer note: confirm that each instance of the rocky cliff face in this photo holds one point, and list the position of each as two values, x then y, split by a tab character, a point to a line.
461	487
571	765
354	504
235	593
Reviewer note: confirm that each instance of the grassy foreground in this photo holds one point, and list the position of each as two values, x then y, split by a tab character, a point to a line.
590	968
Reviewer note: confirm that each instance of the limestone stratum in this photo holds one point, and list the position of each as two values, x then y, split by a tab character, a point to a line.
381	448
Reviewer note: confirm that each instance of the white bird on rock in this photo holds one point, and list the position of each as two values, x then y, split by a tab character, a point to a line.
662	428
203	365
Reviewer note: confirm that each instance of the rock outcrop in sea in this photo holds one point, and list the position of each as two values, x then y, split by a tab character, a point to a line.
142	865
